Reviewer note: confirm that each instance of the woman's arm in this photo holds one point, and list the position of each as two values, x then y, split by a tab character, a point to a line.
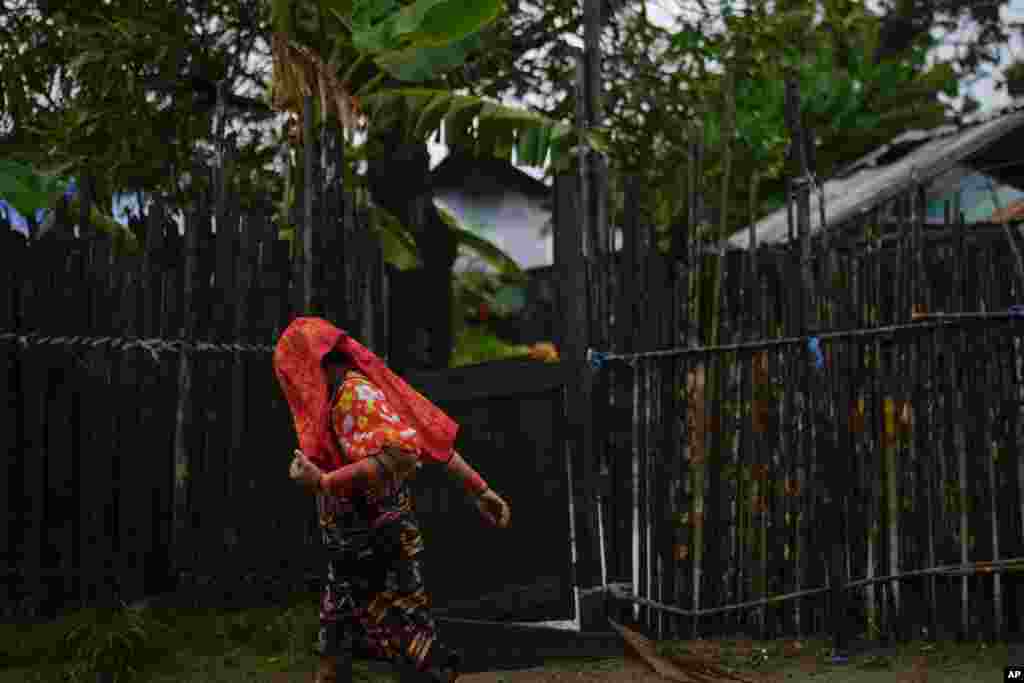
358	476
490	504
464	474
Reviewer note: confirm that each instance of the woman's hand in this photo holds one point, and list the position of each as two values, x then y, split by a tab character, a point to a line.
494	509
305	473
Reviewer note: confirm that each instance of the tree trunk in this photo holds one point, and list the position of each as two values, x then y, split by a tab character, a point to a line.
399	180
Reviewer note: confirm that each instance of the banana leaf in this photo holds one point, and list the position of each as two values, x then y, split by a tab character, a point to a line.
499	127
486	250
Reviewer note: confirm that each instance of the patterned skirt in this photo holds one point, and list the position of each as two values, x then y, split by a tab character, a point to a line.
374	602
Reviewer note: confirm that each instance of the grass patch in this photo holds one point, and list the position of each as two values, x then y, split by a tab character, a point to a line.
166	644
274	644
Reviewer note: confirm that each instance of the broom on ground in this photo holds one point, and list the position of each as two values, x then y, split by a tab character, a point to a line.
684	669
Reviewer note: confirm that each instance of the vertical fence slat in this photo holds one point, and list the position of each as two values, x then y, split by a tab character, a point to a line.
75	285
1014	469
60	470
205	487
242	426
96	497
184	456
960	457
134	478
714	517
990	393
147	292
12	254
226	425
35	367
167	259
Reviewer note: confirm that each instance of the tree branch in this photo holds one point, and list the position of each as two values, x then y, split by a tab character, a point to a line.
207	92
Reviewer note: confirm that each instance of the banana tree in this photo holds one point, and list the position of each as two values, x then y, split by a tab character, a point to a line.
398	244
378	46
379	66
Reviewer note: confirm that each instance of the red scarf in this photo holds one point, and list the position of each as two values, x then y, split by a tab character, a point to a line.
297	359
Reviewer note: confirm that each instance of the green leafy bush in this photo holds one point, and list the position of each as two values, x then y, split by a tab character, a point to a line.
114	643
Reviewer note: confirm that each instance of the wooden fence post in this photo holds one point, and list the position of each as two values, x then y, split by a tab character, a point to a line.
308	157
579	441
817	421
598	258
593	174
12	251
183	417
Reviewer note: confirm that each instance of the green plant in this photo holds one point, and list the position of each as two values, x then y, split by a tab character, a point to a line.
113	643
26	190
477	344
1014	77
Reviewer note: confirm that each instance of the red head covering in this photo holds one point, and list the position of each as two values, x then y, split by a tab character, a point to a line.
297	359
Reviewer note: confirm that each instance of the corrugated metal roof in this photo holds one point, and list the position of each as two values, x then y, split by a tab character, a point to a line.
864	185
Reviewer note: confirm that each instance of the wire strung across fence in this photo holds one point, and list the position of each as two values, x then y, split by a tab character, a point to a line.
154	346
597	359
986	567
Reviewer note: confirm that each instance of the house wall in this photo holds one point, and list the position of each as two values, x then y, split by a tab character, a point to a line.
980	195
511	220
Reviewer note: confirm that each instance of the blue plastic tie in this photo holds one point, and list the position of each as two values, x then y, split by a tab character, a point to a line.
815	347
596	359
1016	311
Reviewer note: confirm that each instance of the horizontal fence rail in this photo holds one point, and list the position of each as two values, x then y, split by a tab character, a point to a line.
598	358
1011	565
153	346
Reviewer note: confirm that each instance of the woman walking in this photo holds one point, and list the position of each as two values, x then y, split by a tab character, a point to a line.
362	433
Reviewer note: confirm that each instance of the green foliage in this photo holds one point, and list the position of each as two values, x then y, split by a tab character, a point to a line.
160	643
125	241
418	41
29	191
477	290
108	89
396	241
415	42
668	87
474	123
115	644
26	190
1014	78
421	41
477	344
419	64
94	642
489	252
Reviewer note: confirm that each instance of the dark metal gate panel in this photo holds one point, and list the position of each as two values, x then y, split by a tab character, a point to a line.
510	416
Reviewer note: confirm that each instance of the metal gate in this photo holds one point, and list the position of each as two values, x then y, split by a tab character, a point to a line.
510	417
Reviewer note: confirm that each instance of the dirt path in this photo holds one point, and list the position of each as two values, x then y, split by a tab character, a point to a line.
954	664
621	672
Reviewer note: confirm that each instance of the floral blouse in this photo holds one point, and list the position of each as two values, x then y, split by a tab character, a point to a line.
365	424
